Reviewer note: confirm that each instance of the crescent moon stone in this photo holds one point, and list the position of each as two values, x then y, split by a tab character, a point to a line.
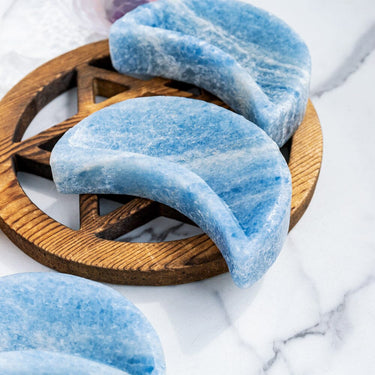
74	316
33	362
212	165
247	57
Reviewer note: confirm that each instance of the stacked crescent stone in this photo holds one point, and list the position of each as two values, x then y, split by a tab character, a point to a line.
247	57
214	166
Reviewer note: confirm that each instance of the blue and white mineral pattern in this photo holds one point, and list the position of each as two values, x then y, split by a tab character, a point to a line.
247	57
33	362
50	312
212	165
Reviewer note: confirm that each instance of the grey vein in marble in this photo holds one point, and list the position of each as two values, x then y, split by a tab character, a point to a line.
327	323
362	49
161	229
247	57
70	315
212	165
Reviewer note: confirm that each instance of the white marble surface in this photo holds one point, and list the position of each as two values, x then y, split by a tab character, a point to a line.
314	311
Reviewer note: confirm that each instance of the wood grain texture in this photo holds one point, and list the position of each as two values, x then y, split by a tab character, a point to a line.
90	251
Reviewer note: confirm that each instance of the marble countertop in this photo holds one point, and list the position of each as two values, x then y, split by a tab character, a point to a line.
314	311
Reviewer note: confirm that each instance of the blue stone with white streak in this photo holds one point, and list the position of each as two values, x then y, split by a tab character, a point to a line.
212	165
33	362
247	57
66	314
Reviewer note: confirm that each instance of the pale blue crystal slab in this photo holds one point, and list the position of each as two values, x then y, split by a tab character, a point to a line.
212	165
33	362
74	316
249	58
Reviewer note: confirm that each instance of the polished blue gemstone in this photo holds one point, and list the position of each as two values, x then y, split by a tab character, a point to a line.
212	165
74	316
34	362
249	58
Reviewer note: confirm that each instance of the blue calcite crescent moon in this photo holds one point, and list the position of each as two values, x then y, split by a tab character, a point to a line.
247	57
213	165
34	362
74	316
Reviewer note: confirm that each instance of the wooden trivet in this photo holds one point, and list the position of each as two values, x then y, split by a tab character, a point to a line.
91	251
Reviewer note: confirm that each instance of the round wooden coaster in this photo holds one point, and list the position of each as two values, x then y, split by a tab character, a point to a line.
91	251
